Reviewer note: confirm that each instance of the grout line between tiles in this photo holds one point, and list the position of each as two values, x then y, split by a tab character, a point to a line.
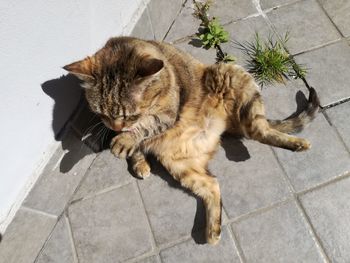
70	234
284	172
259	210
237	245
103	191
267	10
330	19
150	21
232	235
176	16
39	212
334	104
154	244
336	131
324	184
46	240
311	230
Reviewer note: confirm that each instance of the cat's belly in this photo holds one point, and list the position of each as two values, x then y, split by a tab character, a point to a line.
189	141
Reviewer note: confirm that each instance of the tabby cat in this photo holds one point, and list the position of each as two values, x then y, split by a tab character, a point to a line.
163	101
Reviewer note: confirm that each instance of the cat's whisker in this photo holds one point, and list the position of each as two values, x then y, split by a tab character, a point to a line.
90	129
98	134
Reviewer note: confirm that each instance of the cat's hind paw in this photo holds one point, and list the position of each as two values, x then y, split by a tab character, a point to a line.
213	236
301	145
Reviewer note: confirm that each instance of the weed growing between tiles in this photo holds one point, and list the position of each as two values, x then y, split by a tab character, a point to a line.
268	60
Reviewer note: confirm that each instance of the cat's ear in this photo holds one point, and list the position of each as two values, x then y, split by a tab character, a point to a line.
82	69
149	66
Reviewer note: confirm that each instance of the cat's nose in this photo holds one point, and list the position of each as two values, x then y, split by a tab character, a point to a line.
117	126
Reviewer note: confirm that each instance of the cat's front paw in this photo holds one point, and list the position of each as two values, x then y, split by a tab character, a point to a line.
142	169
123	145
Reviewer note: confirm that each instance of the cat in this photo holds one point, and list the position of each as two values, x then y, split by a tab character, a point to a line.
163	101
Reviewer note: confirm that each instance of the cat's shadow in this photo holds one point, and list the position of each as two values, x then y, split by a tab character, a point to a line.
69	103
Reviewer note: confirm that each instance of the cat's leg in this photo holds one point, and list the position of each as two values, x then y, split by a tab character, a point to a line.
204	185
255	126
140	165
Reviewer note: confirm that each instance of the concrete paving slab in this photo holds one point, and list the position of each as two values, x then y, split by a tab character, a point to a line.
279	234
60	179
326	160
328	72
185	24
25	236
59	247
105	172
190	252
339	117
283	100
329	212
202	54
163	14
110	227
143	28
173	212
339	12
265	4
231	10
307	24
249	175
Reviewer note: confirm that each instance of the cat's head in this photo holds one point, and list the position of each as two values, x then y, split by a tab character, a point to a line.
121	80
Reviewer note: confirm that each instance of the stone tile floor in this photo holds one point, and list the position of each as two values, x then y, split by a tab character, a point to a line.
278	206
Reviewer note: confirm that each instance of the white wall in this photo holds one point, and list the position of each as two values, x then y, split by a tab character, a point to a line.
37	38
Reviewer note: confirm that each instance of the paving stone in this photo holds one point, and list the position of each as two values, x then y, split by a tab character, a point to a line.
25	236
143	27
110	227
153	259
326	159
191	252
59	247
185	24
231	10
339	12
265	4
249	175
173	213
308	25
162	14
244	31
61	177
284	100
338	116
203	55
277	235
329	71
329	212
106	171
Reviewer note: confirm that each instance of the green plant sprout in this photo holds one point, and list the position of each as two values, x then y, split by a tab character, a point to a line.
213	32
268	61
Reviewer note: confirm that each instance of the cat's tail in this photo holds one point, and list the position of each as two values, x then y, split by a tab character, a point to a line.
297	123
